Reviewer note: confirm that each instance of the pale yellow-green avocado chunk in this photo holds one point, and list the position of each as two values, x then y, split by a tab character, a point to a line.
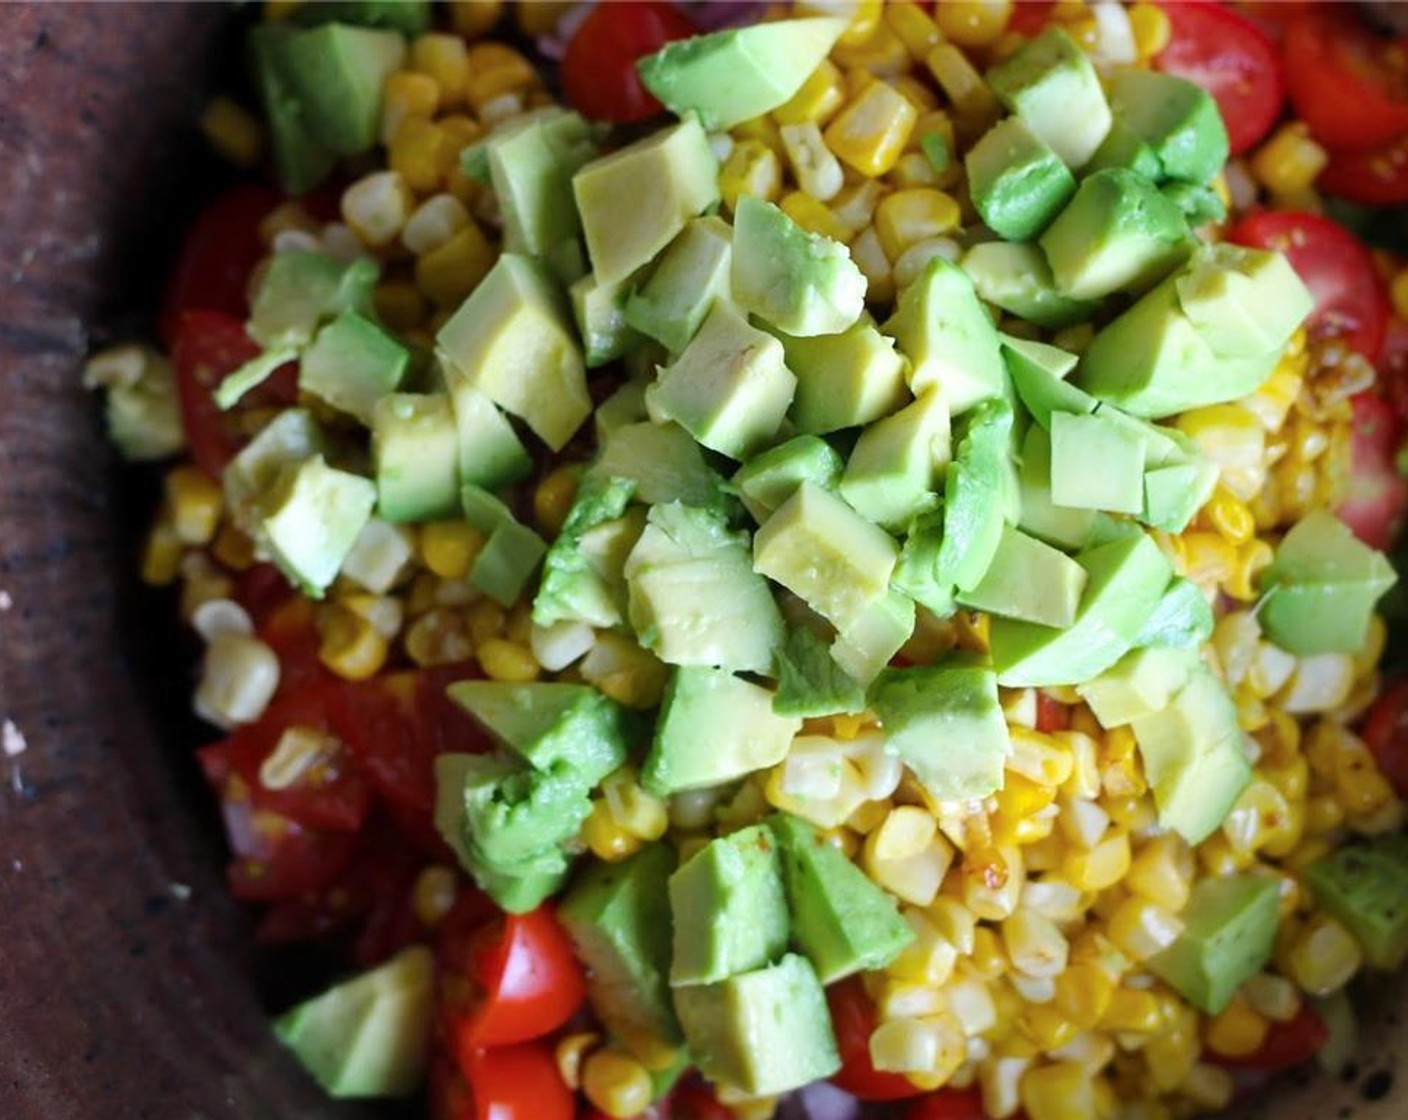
802	283
765	1032
823	551
729	389
634	201
311	518
1194	756
1096	463
844	380
512	339
1029	580
1244	302
1142	683
736	75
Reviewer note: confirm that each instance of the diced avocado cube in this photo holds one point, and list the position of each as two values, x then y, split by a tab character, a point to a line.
765	482
409	16
713	727
800	282
919	572
1182	620
310	519
846	379
490	453
1017	279
842	921
1194	757
1142	683
600	311
551	724
522	889
1028	580
1199	205
1229	926
1321	588
821	550
662	460
869	643
530	163
728	907
415	448
636	200
1178	120
573	588
352	364
1038	373
694	271
625	406
618	915
1123	147
744	72
300	161
1096	464
946	723
336	73
1061	526
975	496
368	1036
810	682
380	556
251	375
1117	234
694	598
1018	184
511	340
1244	302
300	290
290	438
1125	580
898	463
506	563
1174	494
1052	86
951	344
1365	886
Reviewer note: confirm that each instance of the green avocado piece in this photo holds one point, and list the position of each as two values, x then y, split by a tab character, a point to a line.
1125	579
1142	683
310	518
951	344
672	304
573	589
744	72
728	908
517	819
1117	234
1244	302
300	161
291	437
824	552
1194	757
1178	120
768	480
300	290
1199	205
600	312
1229	926
511	339
251	375
415	449
1124	147
625	406
975	496
1018	184
800	282
689	753
946	723
1050	83
618	916
1017	279
662	460
352	364
898	463
635	201
1028	580
1183	618
766	1032
1321	588
918	572
1061	526
1038	373
845	380
368	1036
1174	494
412	17
490	453
869	643
729	389
810	682
531	161
693	597
506	563
842	921
1365	886
1096	464
336	73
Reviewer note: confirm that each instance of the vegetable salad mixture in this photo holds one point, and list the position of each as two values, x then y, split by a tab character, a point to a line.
845	547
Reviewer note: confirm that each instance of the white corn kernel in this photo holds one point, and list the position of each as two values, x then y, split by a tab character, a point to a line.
1083	822
817	171
1034	944
376	207
298	751
218	617
239	675
555	647
380	556
433	223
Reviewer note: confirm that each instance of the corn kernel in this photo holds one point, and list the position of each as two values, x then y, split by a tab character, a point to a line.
992	881
974	106
915	878
913	26
606	837
1046	1026
433	223
934	1046
1102	866
929	958
870	133
1237	1031
752	168
1034	944
438	637
1132	1010
813	165
542	17
233	131
1083	993
449	548
503	660
448	274
194	501
443	57
814	217
376	207
1140	928
406	95
1209	1087
910	216
351	646
569	1054
422	153
1290	160
399	305
493	69
973	23
869	256
474	18
1162	872
1151	29
880	51
238	677
434	894
1324	956
553	497
818	99
616	1083
1272	996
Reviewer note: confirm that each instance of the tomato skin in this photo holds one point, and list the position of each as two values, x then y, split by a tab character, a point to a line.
694	1100
1234	60
1336	267
290	630
1030	16
1287	1044
1386	734
275	858
1378	494
1375	177
949	1104
1339	79
511	1083
599	66
853	1018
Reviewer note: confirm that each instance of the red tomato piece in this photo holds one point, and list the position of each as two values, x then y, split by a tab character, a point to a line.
599	66
1347	82
277	858
1375	177
1386	733
1378	494
505	978
693	1100
512	1083
290	630
260	589
949	1104
853	1018
1393	365
219	253
1030	16
1287	1044
1234	60
1336	267
1051	715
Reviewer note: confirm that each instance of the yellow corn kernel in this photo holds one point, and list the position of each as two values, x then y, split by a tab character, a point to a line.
464	130
1162	872
1398	290
874	265
635	810
493	70
233	131
422	153
1102	866
870	133
924	99
443	57
880	51
814	216
1132	1010
1140	928
622	670
905	831
448	274
434	222
448	548
351	646
1034	944
818	99
869	817
474	18
988	958
399	305
606	837
1361	788
1020	797
752	168
914	28
911	170
434	894
503	660
1290	160
929	958
553	497
1044	1024
571	1052
1323	814
1083	994
915	878
813	165
193	503
376	207
406	95
542	16
1237	1031
1039	757
1367	659
161	555
438	637
1061	1090
233	548
934	1046
973	23
910	216
1324	956
616	1083
765	130
1151	29
1230	516
1272	996
973	102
